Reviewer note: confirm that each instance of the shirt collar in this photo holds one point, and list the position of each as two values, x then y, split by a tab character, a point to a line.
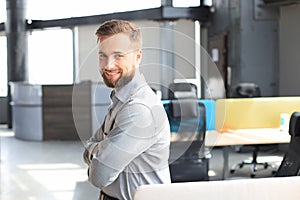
130	88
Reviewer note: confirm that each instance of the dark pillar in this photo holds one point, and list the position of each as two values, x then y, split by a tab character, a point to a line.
15	28
166	2
166	52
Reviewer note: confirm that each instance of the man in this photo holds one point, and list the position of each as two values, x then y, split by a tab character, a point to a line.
132	146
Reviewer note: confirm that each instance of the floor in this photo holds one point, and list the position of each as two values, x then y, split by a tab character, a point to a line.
54	170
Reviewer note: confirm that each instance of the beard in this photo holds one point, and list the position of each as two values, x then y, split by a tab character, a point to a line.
108	82
119	83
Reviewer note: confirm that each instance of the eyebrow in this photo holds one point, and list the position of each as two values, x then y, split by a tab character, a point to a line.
115	52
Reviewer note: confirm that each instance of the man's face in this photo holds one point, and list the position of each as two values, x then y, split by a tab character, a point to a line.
118	59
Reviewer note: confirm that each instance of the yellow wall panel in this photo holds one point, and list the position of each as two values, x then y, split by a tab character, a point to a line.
253	112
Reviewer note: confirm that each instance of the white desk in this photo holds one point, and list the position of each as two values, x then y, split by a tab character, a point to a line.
242	189
243	137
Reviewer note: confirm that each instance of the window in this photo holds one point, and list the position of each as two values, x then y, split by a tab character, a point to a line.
2	11
43	9
186	3
191	3
50	57
3	67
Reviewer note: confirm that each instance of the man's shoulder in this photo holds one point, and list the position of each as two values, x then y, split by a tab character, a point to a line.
145	96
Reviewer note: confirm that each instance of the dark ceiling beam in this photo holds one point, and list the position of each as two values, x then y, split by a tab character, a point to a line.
278	3
201	13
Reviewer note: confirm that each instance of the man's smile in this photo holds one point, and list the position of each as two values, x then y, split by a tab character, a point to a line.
112	73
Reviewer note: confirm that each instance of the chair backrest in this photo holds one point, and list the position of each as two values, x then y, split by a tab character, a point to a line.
186	115
246	90
290	165
182	90
187	120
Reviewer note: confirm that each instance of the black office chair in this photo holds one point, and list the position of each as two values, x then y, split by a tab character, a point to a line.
249	90
188	161
245	90
290	165
182	90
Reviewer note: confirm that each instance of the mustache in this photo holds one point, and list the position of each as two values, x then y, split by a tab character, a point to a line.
111	70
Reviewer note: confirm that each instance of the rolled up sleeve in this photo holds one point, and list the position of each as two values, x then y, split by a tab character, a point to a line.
91	144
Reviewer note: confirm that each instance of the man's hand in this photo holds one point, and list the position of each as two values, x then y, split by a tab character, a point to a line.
95	150
87	156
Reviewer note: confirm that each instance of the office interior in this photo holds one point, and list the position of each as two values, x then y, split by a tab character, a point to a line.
49	63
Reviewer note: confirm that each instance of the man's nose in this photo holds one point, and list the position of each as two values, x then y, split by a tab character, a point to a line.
110	63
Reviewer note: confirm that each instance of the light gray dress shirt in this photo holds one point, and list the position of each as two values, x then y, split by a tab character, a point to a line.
133	142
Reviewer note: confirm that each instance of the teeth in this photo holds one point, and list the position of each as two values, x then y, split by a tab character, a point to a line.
112	73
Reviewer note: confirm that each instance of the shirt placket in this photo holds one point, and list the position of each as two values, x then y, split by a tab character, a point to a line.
108	120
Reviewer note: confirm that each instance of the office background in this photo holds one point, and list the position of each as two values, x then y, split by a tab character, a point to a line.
258	39
253	41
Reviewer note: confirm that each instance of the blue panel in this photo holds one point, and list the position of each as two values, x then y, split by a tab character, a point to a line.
210	106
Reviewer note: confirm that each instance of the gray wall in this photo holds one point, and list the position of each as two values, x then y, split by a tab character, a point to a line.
289	42
252	41
259	46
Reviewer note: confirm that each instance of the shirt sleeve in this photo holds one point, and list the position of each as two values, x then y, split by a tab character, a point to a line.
133	133
91	144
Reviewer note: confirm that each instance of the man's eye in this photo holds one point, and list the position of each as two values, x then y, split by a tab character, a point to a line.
102	56
119	56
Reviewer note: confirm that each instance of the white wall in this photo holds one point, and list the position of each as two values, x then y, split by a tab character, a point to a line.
184	42
87	54
289	42
150	65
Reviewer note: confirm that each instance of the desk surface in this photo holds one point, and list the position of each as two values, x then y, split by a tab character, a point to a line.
246	137
237	137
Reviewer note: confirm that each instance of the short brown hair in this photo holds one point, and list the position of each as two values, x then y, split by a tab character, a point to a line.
113	27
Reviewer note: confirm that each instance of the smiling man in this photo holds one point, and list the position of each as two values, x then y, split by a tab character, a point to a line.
132	146
118	56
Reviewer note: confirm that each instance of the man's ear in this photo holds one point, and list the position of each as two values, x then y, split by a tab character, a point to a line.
139	56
